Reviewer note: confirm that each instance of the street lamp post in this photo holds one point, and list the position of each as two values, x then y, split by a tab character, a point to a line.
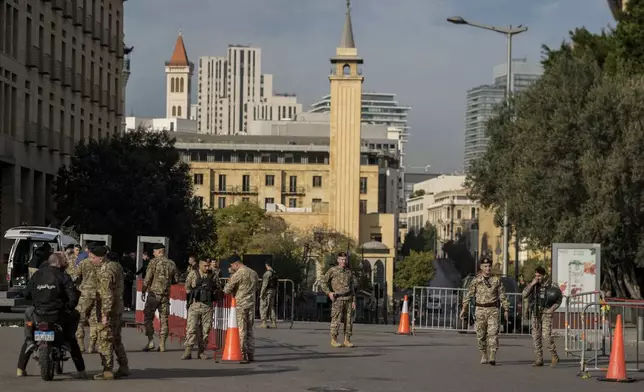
509	32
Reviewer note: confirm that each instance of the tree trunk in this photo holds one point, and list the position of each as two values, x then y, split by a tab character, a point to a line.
613	281
630	282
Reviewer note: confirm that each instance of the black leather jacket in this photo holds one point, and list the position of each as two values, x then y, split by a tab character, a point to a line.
52	290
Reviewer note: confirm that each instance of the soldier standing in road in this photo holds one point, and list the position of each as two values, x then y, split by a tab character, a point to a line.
342	293
267	296
201	286
243	285
489	295
160	275
86	281
544	297
109	310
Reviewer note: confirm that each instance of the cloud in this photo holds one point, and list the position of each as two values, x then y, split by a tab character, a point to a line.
408	47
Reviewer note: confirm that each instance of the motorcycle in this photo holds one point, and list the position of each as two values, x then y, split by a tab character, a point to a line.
52	351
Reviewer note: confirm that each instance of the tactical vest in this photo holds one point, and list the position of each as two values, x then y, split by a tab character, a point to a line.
204	289
538	299
273	281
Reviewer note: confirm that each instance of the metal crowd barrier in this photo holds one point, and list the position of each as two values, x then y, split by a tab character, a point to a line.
438	308
284	300
576	339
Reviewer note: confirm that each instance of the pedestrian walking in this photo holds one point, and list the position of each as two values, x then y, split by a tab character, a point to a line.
339	285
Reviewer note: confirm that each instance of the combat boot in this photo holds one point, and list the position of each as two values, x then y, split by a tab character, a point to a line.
484	359
106	375
262	325
273	324
81	375
538	362
347	342
493	358
554	361
81	344
150	345
21	373
162	345
122	371
201	354
187	354
334	342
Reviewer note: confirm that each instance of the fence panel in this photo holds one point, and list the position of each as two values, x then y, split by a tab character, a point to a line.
583	326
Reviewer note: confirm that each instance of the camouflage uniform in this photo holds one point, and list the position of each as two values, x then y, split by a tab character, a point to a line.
267	300
86	280
160	275
341	281
198	313
488	294
110	306
243	285
542	324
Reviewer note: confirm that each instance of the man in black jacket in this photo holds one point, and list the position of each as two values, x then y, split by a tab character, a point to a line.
54	301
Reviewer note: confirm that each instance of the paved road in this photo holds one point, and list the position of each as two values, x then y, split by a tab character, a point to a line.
302	360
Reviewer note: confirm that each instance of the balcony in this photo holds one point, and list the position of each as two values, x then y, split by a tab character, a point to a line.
57	71
77	85
58	5
96	34
67	77
43	137
126	65
68	146
293	190
315	208
96	94
31	133
78	16
105	38
237	190
45	64
33	57
68	10
104	99
88	25
87	89
54	141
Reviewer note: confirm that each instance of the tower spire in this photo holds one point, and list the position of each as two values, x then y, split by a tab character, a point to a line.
347	35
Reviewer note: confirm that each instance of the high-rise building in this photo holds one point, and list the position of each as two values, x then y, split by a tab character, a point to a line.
61	80
233	92
179	71
483	100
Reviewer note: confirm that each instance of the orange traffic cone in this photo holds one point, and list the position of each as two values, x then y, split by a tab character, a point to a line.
232	349
617	365
403	327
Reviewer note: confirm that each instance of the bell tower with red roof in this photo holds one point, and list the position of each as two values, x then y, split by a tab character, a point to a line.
178	72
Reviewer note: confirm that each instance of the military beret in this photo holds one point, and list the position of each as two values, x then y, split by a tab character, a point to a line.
234	259
158	246
485	260
99	251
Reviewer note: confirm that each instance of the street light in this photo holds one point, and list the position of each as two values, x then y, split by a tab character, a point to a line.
509	32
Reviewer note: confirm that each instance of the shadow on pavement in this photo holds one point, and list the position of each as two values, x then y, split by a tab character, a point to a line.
316	356
153	373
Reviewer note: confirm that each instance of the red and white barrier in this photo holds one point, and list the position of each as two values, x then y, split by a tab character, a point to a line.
179	315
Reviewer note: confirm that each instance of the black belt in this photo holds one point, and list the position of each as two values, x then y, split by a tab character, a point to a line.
488	305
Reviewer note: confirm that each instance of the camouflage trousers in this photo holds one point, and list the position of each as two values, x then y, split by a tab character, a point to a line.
245	322
542	330
487	329
267	306
152	304
109	342
342	308
87	309
199	314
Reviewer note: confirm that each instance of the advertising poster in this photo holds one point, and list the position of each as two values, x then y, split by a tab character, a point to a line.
576	268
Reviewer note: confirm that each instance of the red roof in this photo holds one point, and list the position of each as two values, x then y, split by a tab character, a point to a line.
179	55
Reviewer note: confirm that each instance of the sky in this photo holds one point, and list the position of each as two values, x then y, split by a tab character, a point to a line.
408	48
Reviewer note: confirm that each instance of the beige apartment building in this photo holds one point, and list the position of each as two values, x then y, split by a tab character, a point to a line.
61	80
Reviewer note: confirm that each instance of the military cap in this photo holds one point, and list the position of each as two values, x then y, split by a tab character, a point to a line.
486	260
234	259
99	251
158	246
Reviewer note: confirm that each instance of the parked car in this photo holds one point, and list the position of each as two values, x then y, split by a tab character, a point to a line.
514	323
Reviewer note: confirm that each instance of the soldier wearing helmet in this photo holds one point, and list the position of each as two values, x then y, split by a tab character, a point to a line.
544	297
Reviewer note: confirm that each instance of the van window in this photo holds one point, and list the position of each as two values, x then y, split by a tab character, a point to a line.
24	252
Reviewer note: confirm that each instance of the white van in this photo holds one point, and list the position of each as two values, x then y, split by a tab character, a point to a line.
26	240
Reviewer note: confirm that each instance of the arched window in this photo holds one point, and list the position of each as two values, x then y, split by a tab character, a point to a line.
179	108
346	70
171	85
174	111
181	85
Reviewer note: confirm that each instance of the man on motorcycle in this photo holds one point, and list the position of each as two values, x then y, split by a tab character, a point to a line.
54	301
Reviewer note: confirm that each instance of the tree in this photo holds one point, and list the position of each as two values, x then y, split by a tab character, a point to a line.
581	180
417	269
128	185
422	241
237	225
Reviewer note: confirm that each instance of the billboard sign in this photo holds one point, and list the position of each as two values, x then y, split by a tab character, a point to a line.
576	268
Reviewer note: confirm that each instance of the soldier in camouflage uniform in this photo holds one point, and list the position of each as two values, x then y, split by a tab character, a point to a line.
201	285
489	295
541	318
85	279
70	256
109	310
243	285
267	296
339	284
160	275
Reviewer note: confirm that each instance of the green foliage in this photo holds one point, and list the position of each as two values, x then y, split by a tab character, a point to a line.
528	267
237	225
417	269
422	241
581	179
129	185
